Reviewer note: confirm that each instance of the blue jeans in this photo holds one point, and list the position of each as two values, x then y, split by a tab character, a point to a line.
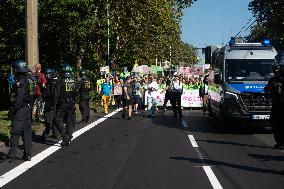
151	106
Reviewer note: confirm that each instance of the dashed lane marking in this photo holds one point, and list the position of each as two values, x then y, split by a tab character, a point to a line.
17	171
208	170
193	141
212	178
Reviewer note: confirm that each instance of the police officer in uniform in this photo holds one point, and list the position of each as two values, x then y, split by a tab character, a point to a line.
84	88
20	112
176	92
275	89
66	94
50	104
168	94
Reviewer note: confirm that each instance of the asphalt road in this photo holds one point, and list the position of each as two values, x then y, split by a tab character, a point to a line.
160	153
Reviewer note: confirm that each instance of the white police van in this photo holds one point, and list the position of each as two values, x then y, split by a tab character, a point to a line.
236	85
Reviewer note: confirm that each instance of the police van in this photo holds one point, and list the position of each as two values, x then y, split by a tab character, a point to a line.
236	85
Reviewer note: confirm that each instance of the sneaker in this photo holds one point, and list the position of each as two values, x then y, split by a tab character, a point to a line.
66	142
27	158
129	118
44	137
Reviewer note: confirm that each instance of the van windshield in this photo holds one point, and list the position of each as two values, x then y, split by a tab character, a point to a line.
248	70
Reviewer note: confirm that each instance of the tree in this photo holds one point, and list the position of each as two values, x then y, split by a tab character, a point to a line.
269	21
75	30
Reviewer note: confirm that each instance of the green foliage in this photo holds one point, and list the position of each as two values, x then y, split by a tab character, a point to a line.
4	126
270	21
140	30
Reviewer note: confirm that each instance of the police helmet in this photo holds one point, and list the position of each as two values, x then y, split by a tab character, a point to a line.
67	68
67	71
20	66
50	73
83	74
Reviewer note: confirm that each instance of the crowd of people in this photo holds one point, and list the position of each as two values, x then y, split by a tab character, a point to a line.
134	92
61	91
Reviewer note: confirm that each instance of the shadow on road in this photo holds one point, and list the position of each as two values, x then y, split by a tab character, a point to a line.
267	157
167	120
231	143
220	163
200	123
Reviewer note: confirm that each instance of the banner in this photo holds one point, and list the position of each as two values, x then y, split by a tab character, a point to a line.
104	70
189	99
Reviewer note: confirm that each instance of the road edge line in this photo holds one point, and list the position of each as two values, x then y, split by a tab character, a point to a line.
25	166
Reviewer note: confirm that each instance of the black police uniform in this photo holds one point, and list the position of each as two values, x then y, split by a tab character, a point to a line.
176	100
65	109
168	94
50	107
20	114
275	88
84	88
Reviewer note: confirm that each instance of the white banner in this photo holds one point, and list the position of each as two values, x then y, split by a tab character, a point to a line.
189	99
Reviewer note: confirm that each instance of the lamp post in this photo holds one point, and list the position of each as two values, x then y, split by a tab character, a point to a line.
31	43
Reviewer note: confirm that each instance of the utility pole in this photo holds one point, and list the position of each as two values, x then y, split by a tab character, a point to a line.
108	33
32	52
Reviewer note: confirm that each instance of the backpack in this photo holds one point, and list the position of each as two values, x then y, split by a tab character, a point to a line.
69	90
135	88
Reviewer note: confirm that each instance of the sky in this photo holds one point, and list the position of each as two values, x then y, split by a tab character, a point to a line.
213	22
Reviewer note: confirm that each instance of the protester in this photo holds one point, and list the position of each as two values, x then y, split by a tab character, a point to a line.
127	97
117	91
167	91
106	89
204	94
176	91
152	87
136	94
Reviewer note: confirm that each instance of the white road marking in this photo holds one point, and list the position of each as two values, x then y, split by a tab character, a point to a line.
17	171
212	178
209	172
193	141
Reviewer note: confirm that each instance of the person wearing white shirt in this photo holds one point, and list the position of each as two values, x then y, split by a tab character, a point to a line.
152	87
177	90
205	96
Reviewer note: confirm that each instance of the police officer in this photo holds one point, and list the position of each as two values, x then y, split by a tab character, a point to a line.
168	94
275	88
84	88
66	94
176	92
50	104
20	112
